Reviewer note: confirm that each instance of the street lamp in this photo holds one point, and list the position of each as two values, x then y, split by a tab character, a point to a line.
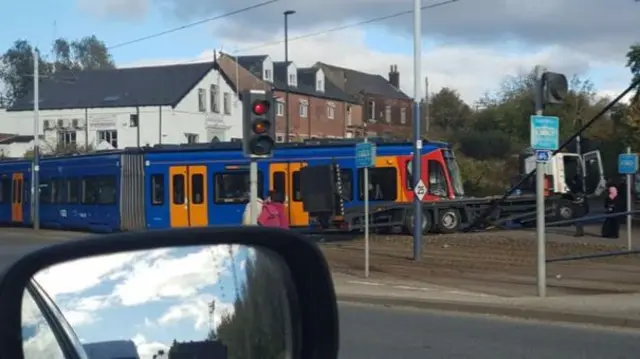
286	62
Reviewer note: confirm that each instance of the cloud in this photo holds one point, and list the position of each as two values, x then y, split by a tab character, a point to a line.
128	10
196	310
471	69
596	27
147	349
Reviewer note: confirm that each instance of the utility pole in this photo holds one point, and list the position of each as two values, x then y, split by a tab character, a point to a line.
286	62
36	141
417	59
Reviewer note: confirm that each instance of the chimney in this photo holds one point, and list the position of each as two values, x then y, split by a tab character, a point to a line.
394	76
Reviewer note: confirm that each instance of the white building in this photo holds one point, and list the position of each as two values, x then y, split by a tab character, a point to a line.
131	107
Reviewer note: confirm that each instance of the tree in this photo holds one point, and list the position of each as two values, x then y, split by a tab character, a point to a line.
16	64
448	111
88	53
259	321
16	69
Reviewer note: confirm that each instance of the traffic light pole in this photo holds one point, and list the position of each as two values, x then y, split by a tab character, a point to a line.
417	54
253	190
540	210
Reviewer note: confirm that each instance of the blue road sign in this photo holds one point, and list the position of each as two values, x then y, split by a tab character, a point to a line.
365	154
545	132
627	163
543	156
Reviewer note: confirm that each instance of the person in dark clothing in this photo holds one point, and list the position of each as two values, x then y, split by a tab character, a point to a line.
580	202
611	226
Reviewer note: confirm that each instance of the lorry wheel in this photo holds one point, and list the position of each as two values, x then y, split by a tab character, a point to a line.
427	223
449	220
564	211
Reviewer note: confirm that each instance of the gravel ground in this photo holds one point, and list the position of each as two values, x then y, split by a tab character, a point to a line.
501	262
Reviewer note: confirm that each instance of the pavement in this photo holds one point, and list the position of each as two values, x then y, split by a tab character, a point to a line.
377	332
617	310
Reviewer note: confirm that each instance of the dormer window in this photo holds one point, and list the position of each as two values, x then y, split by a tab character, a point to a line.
268	75
320	86
292	80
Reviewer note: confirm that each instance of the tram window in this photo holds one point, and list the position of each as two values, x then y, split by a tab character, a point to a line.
197	188
58	192
297	190
157	189
72	190
45	190
178	189
279	183
99	190
409	177
233	187
5	191
347	184
383	183
437	179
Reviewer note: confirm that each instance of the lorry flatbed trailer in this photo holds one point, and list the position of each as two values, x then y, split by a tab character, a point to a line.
450	216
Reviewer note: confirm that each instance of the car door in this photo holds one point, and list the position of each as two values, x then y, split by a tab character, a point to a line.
44	328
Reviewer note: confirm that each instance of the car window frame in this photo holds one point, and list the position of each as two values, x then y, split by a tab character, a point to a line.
63	332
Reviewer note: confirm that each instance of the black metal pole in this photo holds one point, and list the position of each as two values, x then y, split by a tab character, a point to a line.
286	61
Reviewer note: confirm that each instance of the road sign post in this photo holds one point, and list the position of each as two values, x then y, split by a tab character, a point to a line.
628	165
545	138
365	158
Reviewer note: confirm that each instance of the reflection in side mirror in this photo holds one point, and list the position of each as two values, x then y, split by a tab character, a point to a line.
219	301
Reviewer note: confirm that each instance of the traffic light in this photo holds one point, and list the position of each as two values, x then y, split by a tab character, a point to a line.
554	87
258	123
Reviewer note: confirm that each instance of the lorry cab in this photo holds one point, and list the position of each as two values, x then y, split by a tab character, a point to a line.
564	168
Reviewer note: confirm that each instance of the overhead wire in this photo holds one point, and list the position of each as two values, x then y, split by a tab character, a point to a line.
200	22
329	30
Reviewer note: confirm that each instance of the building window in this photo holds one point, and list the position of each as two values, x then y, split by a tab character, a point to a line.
348	115
304	109
331	111
292	80
280	108
371	108
267	75
191	137
111	137
320	86
202	100
403	116
227	103
66	138
215	99
387	113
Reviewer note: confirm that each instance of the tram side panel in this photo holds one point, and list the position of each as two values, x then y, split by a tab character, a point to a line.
81	193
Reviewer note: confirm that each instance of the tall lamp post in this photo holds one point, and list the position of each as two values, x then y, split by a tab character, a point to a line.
286	61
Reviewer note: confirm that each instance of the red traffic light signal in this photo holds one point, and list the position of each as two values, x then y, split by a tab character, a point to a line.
260	107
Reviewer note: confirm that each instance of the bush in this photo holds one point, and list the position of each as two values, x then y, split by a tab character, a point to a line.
485	145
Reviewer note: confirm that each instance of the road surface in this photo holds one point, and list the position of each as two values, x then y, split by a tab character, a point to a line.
376	332
15	242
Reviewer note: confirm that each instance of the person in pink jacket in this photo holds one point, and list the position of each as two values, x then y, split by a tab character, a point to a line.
274	212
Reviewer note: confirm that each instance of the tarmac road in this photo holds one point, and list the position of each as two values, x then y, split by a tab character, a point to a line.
372	332
16	242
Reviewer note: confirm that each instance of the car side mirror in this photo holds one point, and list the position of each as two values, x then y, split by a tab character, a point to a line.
195	292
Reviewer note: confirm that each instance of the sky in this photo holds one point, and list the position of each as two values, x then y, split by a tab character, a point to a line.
469	45
150	297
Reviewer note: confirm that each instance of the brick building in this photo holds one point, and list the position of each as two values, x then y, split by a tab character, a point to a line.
386	109
317	108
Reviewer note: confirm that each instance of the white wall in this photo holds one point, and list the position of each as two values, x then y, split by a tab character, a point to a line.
157	124
16	149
